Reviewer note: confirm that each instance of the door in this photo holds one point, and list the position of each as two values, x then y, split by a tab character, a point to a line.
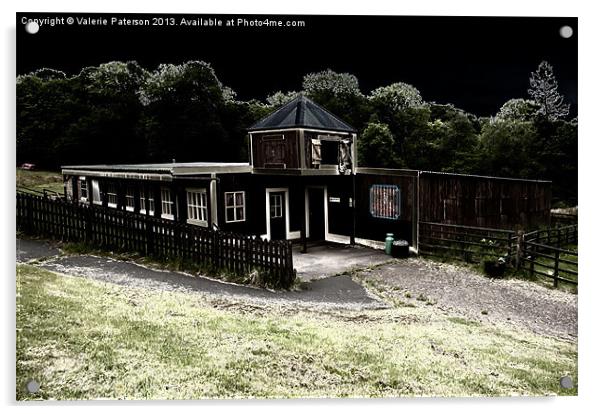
316	213
277	216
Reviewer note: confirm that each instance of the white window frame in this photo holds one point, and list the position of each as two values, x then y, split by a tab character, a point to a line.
111	191
197	210
235	207
276	208
96	193
151	204
167	203
130	197
84	187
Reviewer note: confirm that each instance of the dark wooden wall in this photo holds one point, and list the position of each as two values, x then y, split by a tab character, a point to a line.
484	201
375	228
269	152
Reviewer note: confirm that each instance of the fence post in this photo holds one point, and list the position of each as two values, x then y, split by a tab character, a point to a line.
556	254
88	218
520	238
29	206
150	236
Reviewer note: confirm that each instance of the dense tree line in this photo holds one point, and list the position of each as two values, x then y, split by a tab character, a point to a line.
120	112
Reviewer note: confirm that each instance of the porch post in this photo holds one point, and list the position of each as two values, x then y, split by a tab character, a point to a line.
304	223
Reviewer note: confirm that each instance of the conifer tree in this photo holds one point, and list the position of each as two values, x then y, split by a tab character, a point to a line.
544	91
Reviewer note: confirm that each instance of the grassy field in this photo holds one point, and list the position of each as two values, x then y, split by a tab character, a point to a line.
39	180
83	339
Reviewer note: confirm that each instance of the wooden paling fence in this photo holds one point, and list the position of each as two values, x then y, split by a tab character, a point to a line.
108	228
542	252
467	243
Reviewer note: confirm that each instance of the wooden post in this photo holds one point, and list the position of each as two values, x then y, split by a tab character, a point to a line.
520	238
556	254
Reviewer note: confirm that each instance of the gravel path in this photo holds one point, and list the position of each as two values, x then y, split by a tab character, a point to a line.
462	291
456	290
337	291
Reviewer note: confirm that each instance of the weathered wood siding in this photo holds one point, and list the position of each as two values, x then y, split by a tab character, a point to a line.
375	228
276	150
484	201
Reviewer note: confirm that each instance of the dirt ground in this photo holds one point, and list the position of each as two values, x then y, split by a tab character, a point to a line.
460	290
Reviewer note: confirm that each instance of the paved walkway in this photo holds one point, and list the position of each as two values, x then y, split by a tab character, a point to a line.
329	259
338	291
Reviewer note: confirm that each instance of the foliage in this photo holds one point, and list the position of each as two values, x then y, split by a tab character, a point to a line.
395	97
376	146
280	98
544	91
517	110
184	112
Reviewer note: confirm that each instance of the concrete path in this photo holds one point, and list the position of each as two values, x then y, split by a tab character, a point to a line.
338	291
329	259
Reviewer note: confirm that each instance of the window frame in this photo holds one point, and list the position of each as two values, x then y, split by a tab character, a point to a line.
277	207
130	197
96	197
151	203
164	202
235	206
395	206
109	193
202	208
82	180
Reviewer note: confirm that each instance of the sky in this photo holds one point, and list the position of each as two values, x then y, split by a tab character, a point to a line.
475	63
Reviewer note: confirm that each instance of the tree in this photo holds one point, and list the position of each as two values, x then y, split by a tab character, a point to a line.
544	91
331	82
184	105
280	98
396	97
376	147
340	94
517	110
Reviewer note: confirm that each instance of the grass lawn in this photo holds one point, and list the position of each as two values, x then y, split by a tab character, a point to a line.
39	180
83	339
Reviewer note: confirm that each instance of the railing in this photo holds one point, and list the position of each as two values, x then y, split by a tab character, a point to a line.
466	243
551	262
543	252
108	228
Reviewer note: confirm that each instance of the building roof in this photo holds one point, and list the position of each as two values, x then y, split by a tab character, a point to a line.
302	112
159	171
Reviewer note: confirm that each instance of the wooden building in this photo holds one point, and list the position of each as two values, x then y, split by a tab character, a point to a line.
302	182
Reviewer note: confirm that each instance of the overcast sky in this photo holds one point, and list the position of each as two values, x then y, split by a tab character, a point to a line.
475	63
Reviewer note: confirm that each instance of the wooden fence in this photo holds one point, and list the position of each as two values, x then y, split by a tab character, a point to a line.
542	252
467	243
115	229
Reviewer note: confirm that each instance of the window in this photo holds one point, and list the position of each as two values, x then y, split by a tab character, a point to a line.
112	195
275	205
235	206
83	189
129	199
167	209
385	201
316	152
96	192
197	206
151	205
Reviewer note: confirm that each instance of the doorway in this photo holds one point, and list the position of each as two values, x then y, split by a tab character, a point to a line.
316	213
276	214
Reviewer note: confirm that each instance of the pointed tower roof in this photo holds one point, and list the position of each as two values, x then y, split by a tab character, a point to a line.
302	112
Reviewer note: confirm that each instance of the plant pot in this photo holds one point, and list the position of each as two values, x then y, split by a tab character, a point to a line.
494	268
